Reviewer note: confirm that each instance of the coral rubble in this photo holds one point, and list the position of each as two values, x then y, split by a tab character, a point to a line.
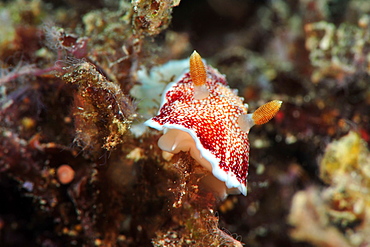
339	214
102	113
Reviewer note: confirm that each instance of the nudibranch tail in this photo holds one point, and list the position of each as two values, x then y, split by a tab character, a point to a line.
198	75
266	112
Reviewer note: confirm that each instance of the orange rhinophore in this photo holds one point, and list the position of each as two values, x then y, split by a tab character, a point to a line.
266	112
197	70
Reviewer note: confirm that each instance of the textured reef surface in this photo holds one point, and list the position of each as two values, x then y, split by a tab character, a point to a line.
79	78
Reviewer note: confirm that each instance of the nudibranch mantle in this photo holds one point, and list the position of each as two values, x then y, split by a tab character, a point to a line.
213	128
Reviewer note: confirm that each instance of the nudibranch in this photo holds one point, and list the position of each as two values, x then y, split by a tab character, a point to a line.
201	115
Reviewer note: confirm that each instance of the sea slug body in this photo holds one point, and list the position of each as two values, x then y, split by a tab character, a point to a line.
199	113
